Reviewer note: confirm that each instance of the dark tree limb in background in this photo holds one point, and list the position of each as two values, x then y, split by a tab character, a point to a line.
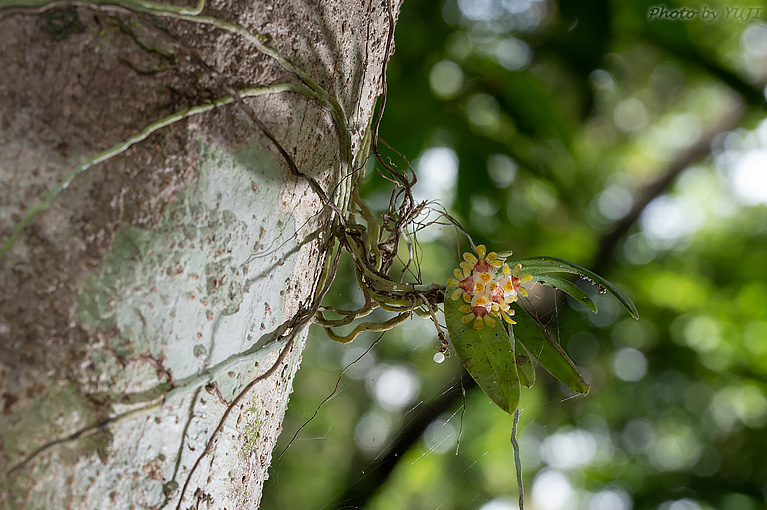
687	52
369	476
655	188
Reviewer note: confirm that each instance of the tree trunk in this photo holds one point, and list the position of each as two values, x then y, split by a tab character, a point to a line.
158	251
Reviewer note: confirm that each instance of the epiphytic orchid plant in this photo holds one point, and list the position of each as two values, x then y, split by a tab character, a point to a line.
499	356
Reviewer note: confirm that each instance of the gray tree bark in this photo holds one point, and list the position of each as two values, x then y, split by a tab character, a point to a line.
144	290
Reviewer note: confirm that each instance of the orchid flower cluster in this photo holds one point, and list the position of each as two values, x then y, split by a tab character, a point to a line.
488	295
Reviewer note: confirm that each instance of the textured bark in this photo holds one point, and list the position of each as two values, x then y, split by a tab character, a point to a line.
160	282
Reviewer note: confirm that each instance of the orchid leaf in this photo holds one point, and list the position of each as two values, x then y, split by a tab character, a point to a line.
525	368
538	340
568	288
488	356
546	266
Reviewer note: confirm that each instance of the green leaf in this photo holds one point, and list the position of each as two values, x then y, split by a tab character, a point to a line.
539	342
545	266
487	354
525	368
567	287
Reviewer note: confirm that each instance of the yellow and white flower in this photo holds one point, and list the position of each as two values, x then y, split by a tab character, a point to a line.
487	297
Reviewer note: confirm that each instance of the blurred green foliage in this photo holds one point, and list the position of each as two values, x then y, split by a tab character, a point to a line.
587	131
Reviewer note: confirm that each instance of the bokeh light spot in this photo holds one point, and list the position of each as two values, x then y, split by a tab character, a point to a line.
754	40
362	367
502	170
744	403
446	79
666	219
478	9
675	452
371	432
683	130
513	54
483	110
499	504
437	169
394	386
440	436
702	333
629	364
614	202
639	435
552	491
680	504
611	499
749	178
568	449
602	80
630	115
